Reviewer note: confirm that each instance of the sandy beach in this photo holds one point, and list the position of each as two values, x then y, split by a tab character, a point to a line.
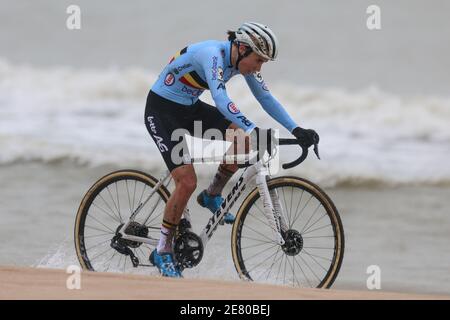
43	284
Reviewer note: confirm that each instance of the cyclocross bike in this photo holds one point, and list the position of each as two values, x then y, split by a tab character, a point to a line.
287	230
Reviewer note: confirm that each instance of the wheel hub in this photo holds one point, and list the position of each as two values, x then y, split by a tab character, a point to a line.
293	242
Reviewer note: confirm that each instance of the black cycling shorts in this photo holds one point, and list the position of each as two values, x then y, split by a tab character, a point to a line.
163	117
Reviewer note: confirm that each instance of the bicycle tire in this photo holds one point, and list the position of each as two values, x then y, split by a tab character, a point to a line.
244	269
87	202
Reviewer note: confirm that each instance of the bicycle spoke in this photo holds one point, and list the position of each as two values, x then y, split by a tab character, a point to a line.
292	268
142	194
90	227
296	218
246	237
310	219
140	254
120	261
264	260
281	263
298	205
92	217
109	261
285	205
99	255
292	197
98	244
323	268
254	246
110	195
106	203
101	209
256	254
134	195
301	269
273	263
318	228
293	272
312	271
314	255
317	237
118	202
264	236
254	216
128	193
98	235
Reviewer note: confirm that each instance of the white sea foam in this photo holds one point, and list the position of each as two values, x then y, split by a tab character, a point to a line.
96	117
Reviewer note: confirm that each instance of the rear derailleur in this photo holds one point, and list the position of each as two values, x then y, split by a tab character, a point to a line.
123	246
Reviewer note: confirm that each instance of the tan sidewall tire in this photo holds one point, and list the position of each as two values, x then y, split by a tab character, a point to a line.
322	197
94	190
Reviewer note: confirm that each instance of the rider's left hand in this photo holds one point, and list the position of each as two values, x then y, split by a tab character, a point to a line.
306	137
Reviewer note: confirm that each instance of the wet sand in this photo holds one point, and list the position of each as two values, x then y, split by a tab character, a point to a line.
43	284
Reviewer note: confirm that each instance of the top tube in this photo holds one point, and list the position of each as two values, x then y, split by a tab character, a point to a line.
239	158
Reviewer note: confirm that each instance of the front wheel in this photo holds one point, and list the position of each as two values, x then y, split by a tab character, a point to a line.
313	234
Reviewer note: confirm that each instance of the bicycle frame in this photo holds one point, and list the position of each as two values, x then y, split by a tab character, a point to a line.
273	210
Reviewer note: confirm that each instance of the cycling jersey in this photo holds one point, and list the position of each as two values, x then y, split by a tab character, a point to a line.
207	66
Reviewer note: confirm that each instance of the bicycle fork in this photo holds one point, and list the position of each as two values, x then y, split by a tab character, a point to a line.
272	207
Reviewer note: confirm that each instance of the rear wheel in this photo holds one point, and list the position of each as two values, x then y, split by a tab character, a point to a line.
314	239
103	211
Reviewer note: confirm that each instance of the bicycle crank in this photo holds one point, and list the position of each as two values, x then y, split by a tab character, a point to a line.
188	249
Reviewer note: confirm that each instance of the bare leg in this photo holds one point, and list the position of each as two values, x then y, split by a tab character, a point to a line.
185	184
225	171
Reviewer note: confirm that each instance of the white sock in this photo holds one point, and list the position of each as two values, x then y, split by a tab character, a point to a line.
165	240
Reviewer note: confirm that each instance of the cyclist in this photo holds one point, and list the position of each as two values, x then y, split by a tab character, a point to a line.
173	103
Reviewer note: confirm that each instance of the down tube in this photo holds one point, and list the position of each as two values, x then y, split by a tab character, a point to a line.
227	204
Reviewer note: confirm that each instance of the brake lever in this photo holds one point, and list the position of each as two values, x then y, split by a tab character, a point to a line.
316	150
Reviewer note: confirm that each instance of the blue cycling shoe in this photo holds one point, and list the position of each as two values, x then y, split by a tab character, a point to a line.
165	263
213	203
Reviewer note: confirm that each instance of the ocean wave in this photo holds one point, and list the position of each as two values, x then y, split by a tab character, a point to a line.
96	117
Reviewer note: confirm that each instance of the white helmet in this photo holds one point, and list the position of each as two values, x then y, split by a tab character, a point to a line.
260	38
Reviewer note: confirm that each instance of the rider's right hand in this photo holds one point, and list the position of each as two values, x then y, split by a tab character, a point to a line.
306	137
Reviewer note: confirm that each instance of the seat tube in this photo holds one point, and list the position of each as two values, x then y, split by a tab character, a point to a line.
269	211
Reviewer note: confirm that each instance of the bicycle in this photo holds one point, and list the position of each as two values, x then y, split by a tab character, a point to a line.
265	235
